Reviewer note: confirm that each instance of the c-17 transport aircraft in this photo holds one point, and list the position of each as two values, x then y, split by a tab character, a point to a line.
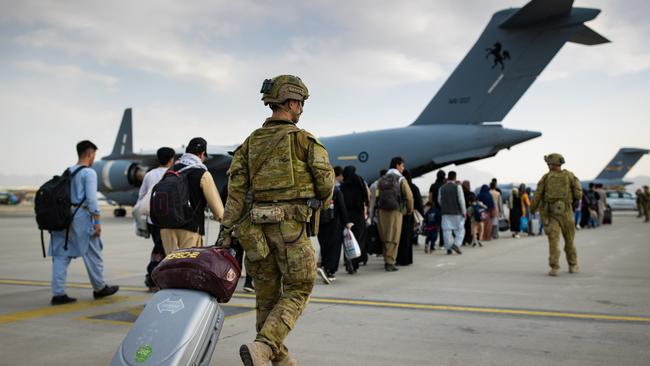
459	125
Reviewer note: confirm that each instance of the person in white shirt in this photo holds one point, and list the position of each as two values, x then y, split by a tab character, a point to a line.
165	159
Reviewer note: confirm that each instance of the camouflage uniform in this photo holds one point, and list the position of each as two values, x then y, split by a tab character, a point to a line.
555	195
645	203
273	173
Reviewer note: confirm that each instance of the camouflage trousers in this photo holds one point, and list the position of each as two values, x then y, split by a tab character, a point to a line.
553	227
283	282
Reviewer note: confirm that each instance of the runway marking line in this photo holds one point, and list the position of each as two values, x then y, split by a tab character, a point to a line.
63	309
380	304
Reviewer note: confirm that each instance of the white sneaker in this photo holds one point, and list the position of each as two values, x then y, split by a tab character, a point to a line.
323	275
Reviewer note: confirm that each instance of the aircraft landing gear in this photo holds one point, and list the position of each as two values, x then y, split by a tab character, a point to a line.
119	212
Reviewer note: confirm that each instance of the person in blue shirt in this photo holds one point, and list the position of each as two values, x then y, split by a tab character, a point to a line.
84	238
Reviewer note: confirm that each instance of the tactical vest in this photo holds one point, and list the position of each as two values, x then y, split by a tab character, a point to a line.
277	174
558	187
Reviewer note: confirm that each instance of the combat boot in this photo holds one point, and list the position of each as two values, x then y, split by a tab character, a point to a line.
287	361
554	272
574	269
255	354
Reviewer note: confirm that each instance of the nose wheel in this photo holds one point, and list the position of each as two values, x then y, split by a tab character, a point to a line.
119	212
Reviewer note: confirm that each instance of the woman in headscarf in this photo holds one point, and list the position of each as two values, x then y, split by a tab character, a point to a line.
524	193
467	192
485	197
514	204
405	248
355	194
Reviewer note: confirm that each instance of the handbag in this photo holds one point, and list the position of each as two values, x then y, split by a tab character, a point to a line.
209	269
373	241
523	224
350	244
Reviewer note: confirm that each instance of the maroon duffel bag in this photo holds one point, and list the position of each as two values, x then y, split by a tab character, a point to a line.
210	269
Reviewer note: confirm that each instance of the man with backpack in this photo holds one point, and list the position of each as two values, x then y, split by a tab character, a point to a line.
165	157
82	236
178	201
394	200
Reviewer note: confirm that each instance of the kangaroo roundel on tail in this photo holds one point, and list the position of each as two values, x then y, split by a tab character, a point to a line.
512	51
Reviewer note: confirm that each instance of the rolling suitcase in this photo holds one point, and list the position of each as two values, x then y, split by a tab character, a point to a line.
181	323
607	215
535	226
176	327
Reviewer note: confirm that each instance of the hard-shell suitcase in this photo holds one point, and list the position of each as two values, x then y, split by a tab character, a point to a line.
534	226
176	327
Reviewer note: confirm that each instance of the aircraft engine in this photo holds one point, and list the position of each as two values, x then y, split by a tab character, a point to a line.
119	175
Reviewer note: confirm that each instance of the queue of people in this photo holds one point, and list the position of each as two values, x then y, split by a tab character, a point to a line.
273	207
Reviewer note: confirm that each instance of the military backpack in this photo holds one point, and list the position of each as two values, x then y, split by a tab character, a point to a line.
557	187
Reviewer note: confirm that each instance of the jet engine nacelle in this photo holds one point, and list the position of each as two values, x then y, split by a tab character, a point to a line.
118	175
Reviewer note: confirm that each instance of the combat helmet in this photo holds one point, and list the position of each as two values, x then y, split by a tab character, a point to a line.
281	88
555	159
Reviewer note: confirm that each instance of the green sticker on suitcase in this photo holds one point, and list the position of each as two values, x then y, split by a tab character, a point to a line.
143	353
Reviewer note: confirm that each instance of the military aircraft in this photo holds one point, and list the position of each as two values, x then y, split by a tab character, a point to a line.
459	125
611	177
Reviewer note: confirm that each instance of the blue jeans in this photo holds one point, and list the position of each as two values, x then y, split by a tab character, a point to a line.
94	267
577	217
432	237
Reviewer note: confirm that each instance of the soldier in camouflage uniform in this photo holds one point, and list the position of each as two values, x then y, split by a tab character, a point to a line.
645	203
273	176
557	192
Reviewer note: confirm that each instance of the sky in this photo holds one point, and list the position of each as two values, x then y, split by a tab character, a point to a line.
68	69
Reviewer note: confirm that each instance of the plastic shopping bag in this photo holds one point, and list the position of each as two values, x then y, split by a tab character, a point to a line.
350	244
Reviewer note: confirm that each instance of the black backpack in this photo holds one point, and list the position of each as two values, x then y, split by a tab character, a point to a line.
52	205
390	193
170	205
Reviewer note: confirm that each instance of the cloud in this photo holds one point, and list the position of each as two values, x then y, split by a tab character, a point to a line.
219	44
68	72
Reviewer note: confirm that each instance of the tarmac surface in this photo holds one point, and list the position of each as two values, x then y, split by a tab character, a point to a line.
490	306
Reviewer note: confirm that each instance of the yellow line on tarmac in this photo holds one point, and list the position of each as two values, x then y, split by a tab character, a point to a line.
71	285
522	312
62	309
466	309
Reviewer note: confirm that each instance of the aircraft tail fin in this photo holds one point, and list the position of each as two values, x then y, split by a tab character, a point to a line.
512	51
623	161
124	140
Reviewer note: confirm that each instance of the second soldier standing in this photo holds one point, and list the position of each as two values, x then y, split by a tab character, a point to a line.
277	179
557	192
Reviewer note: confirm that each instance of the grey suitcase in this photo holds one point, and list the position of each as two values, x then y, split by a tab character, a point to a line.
176	327
535	226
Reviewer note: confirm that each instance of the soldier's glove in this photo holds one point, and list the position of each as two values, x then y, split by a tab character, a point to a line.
225	239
